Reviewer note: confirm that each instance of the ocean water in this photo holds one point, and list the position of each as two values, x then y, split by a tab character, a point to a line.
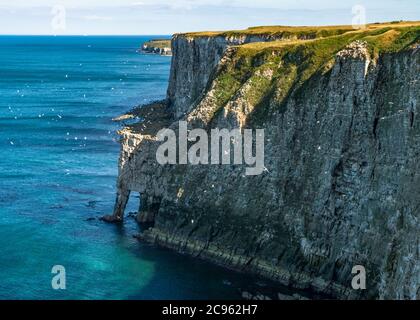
58	168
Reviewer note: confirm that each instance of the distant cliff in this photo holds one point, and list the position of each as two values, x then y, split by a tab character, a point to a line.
342	147
158	46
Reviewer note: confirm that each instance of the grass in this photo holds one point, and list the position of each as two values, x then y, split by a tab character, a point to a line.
300	32
278	31
293	62
159	43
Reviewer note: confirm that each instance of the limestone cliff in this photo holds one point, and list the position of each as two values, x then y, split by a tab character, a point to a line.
157	46
197	54
342	149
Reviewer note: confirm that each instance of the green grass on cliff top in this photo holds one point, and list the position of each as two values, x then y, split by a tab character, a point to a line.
306	32
299	32
159	43
293	62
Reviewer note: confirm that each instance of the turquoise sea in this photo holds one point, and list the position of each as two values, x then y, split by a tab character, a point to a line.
58	168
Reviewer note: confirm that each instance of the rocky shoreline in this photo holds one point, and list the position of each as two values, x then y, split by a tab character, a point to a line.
240	263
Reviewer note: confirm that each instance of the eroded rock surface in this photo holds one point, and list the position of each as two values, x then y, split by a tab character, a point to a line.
342	158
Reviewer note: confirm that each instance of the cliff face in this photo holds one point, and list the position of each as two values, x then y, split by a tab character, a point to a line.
196	56
157	46
342	147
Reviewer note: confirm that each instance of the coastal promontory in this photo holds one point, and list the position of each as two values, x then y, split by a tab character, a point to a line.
157	46
341	185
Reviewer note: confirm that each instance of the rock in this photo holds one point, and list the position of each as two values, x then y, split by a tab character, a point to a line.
158	46
111	219
281	296
145	217
132	214
342	143
246	295
200	55
257	296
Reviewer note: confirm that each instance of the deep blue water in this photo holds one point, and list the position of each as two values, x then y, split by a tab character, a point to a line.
58	167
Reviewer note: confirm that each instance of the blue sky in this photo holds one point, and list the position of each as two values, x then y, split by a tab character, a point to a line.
168	17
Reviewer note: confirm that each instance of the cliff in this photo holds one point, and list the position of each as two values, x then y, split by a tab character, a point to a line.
158	46
196	56
341	182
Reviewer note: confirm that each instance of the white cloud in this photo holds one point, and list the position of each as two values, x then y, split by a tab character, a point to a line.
170	16
97	18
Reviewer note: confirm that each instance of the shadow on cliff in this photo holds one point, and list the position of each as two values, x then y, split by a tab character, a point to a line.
192	278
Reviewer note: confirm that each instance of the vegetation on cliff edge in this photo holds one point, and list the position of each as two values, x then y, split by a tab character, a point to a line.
158	43
273	70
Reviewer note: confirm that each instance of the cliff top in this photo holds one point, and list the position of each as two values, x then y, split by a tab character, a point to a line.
300	31
387	37
159	43
272	71
277	69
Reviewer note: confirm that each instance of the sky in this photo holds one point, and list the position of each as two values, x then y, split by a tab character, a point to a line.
165	17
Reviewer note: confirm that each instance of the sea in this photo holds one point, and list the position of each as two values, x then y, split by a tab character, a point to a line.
58	168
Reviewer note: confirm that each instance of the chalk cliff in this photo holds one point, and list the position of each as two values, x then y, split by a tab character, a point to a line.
196	56
341	185
157	46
